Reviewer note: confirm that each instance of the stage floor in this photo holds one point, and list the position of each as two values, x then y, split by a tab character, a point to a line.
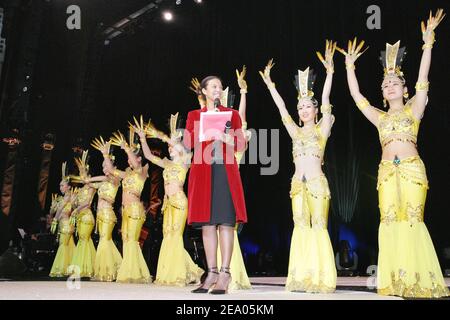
348	288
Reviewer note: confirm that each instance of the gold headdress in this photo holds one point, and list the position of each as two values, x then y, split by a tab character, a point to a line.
304	82
103	147
392	59
64	174
175	135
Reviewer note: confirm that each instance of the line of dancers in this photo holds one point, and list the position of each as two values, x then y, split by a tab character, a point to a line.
407	261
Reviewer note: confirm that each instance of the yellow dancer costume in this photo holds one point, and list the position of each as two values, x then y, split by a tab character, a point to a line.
65	232
175	265
108	258
84	256
311	259
133	268
407	261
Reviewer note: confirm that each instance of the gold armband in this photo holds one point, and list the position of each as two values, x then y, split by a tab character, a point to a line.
287	120
364	103
422	86
326	108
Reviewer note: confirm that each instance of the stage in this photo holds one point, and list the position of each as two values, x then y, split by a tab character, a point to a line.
264	288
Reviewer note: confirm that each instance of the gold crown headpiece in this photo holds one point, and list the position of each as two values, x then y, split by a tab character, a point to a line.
64	174
304	83
392	59
175	134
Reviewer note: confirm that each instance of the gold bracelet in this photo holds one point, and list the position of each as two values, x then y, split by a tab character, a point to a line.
364	103
330	70
326	108
243	91
427	46
422	86
244	125
350	66
271	85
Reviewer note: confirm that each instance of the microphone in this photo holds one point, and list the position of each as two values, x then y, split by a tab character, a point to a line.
227	126
216	103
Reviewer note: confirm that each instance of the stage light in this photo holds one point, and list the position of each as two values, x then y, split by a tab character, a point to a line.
178	2
198	1
25	89
168	16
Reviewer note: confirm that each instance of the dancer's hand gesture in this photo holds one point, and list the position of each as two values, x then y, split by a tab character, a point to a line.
353	52
330	48
266	74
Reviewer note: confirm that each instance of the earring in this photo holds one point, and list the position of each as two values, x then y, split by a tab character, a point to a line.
406	95
300	122
317	118
385	103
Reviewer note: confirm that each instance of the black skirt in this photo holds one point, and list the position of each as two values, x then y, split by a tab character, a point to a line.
222	207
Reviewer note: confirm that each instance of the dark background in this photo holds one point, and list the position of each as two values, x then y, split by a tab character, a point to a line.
81	88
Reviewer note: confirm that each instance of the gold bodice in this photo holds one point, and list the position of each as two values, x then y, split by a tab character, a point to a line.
133	182
308	143
107	191
65	207
84	196
399	124
174	172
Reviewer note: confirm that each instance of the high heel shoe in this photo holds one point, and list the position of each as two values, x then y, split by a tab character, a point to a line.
205	290
223	291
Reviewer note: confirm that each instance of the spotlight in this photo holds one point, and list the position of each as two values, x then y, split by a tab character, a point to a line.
25	89
178	2
168	16
198	1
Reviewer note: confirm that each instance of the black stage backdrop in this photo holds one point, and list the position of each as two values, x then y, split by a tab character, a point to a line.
84	88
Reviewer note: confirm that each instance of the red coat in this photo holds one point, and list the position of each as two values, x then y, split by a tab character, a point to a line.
199	185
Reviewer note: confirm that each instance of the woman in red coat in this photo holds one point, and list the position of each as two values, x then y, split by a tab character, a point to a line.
215	193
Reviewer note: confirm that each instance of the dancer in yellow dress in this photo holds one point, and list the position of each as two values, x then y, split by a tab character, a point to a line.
407	262
108	258
133	269
84	255
62	207
175	265
311	261
239	277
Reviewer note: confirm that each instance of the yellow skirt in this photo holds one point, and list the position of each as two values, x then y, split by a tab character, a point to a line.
311	259
108	258
239	277
65	249
84	256
133	268
407	261
175	265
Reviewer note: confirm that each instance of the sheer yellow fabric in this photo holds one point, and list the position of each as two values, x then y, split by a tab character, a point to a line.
108	258
66	247
84	255
311	260
133	268
239	277
175	265
407	261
